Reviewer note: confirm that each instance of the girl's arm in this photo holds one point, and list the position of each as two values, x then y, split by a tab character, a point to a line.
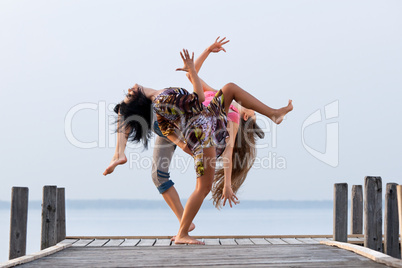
190	69
205	86
214	48
227	193
175	139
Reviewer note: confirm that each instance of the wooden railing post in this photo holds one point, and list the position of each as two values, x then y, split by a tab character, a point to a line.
61	215
391	224
373	213
356	223
18	222
49	205
340	212
399	191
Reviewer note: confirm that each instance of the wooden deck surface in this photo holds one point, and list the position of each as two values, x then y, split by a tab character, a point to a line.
218	251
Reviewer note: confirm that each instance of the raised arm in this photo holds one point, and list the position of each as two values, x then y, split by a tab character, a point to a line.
190	69
214	48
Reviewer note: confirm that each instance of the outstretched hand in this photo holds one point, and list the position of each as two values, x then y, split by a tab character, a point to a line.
188	62
228	194
218	45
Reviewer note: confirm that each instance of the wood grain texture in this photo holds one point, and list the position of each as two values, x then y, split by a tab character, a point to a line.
162	242
371	254
49	206
60	215
399	194
98	243
391	222
373	213
301	255
228	242
146	243
340	212
130	242
356	222
18	222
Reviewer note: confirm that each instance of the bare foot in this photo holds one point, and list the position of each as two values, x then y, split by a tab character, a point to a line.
280	113
187	240
192	227
116	160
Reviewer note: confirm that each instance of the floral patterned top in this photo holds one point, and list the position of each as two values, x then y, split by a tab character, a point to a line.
201	126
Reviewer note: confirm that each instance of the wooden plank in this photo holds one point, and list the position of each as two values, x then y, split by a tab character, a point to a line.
60	215
276	241
18	222
68	241
356	223
228	241
130	242
82	242
319	239
212	242
373	213
49	203
36	256
391	222
399	197
204	236
355	239
244	241
98	243
340	212
307	240
292	241
162	242
302	255
146	243
368	253
114	243
259	241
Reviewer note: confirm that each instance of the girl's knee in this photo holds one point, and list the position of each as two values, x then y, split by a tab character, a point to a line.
229	86
204	189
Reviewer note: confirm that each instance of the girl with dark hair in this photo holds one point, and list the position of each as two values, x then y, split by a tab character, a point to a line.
198	130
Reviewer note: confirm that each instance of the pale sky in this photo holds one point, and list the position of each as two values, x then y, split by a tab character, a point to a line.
57	56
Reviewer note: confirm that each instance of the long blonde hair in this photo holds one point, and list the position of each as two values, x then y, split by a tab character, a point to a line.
242	159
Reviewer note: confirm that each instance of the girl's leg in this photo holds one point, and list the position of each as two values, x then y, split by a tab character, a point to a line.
119	158
232	92
203	187
162	156
172	198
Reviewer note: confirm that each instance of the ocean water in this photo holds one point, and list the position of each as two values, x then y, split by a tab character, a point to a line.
159	220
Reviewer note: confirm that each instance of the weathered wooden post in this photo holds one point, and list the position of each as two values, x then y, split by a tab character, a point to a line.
373	213
61	215
49	205
340	212
391	223
399	191
18	222
356	223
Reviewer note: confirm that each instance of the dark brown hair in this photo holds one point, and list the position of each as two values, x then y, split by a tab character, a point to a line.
242	159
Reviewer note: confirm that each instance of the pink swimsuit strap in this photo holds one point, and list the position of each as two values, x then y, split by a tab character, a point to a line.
233	115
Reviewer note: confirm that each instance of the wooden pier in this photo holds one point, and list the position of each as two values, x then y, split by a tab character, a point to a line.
222	251
336	250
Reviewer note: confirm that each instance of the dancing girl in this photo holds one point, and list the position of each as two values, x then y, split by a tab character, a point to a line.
197	129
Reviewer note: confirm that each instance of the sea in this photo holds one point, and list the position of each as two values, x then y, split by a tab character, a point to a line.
150	217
